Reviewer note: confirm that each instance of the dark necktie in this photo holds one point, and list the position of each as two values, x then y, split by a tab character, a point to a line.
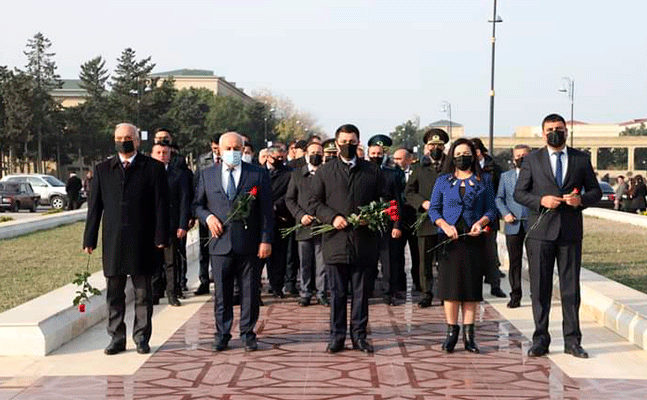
558	169
231	185
126	164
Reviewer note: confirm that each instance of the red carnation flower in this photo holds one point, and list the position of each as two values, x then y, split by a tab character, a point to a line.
81	307
393	203
575	191
253	191
487	229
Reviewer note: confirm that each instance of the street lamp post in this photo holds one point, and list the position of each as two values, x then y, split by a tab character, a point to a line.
494	20
271	110
569	88
447	107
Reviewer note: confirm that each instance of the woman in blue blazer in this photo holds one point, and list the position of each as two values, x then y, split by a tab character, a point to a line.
462	205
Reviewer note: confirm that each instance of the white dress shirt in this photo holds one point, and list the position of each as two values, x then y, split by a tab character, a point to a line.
552	155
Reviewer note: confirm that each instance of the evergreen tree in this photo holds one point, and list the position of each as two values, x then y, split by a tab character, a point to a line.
42	68
188	113
17	93
130	86
93	77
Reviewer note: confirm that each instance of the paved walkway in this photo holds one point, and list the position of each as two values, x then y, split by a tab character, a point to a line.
291	362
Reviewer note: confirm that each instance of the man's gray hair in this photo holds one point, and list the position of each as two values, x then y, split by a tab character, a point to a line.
239	138
521	146
129	126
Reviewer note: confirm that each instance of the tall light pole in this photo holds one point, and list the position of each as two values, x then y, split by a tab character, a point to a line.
447	107
267	115
494	20
569	88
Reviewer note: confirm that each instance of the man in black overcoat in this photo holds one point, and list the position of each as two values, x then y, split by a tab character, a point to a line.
340	187
130	192
72	188
418	195
546	185
236	247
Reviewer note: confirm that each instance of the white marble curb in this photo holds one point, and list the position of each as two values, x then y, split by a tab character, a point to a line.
39	326
613	305
12	229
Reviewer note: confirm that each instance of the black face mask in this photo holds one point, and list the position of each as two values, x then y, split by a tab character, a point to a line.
377	160
463	162
556	139
329	158
348	151
315	160
125	147
436	153
518	161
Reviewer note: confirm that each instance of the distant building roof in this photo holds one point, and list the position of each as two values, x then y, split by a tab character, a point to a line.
184	72
576	122
634	121
444	122
71	84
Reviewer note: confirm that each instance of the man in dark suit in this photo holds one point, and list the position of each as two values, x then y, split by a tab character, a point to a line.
340	187
418	195
276	267
205	161
72	188
131	192
516	222
312	267
546	185
179	182
235	247
391	251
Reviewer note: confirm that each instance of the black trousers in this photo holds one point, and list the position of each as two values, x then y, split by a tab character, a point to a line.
492	274
277	261
292	263
116	301
73	201
183	263
409	236
427	258
514	243
339	276
392	262
244	267
541	256
167	276
203	274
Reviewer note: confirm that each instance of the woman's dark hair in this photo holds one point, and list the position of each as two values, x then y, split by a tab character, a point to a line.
450	166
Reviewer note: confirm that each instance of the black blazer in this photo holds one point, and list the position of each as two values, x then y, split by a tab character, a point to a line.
134	204
297	198
418	190
238	236
180	198
536	180
280	178
393	189
338	191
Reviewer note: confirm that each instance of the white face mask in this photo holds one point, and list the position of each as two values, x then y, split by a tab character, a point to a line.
232	157
247	158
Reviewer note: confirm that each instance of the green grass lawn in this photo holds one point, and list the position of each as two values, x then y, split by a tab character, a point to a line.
616	251
40	262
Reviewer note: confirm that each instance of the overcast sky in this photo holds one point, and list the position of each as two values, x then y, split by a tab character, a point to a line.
372	63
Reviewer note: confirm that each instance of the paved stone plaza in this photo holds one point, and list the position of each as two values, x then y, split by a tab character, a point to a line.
291	362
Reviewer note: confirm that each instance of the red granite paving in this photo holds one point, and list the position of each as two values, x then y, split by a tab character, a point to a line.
291	364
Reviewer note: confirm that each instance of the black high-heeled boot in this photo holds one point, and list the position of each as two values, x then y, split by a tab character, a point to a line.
468	339
452	338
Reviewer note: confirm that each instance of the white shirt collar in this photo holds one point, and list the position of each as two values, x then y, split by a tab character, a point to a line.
130	160
351	163
552	151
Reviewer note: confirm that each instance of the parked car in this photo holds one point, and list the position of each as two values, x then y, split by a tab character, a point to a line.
608	196
15	196
51	190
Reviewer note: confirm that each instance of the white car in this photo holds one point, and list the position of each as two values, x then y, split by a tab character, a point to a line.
51	189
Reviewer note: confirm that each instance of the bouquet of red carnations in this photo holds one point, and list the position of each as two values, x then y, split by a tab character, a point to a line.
375	216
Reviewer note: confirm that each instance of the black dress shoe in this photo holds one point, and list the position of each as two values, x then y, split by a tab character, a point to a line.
143	348
389	300
304	302
251	344
236	300
576	351
172	300
115	348
202	289
514	303
537	351
220	344
425	302
497	292
335	346
323	301
363	346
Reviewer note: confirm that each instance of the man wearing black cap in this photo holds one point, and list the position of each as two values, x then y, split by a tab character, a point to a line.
391	254
418	194
330	150
339	188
